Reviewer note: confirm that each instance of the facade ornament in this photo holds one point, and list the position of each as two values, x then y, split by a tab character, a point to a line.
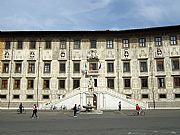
32	54
159	52
6	55
126	53
92	54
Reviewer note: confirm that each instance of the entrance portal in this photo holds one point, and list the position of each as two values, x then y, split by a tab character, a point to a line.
95	101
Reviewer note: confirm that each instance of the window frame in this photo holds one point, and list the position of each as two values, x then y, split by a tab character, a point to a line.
125	43
62	44
110	83
110	66
48	45
77	44
17	84
63	83
126	67
173	40
125	83
76	83
47	67
175	66
76	64
5	67
4	84
142	42
109	44
32	45
160	65
144	82
7	45
46	84
158	41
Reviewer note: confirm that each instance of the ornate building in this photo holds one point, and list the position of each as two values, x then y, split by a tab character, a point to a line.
61	67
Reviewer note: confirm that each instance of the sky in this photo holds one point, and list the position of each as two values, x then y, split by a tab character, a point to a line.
72	15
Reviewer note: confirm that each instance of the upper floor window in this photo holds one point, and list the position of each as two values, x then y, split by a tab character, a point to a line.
93	66
93	44
31	67
127	82
47	67
158	41
126	66
143	66
5	68
125	43
46	84
173	40
17	84
7	45
4	84
161	82
175	64
160	65
110	67
142	42
76	67
77	44
30	84
62	84
48	45
144	82
19	45
109	44
110	83
176	80
32	45
62	67
63	44
76	83
18	67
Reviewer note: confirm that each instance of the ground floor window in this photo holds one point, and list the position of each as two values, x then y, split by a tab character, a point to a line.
3	96
177	96
45	96
16	96
29	96
162	96
145	96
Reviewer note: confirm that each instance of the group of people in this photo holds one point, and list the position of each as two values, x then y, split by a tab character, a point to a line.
34	108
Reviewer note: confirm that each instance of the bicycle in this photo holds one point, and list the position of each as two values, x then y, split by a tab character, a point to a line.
23	110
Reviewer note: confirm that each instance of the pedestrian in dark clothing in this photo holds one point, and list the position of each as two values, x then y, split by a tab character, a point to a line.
34	111
119	106
75	110
20	108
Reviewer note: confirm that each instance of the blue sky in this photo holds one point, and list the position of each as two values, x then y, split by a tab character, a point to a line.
87	14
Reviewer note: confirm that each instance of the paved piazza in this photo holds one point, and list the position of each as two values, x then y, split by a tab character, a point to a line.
155	122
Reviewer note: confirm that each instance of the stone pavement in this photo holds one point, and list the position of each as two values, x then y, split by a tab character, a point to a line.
155	122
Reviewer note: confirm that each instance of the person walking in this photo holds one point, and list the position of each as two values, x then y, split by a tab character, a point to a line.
137	109
34	114
20	108
75	110
119	106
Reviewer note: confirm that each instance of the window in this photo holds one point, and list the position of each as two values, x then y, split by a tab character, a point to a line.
93	44
19	45
142	42
175	64
176	81
17	84
145	96
5	68
29	96
162	95
63	44
77	44
18	67
143	66
93	66
30	84
7	45
76	83
15	96
3	96
109	44
173	40
126	66
76	67
127	83
161	82
177	95
144	83
47	67
110	83
110	67
4	84
160	65
158	41
31	67
125	43
32	45
48	45
45	96
61	84
62	67
46	84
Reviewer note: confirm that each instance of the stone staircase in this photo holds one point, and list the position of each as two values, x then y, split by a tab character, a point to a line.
78	96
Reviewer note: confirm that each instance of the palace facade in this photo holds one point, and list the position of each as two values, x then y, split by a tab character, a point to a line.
136	65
